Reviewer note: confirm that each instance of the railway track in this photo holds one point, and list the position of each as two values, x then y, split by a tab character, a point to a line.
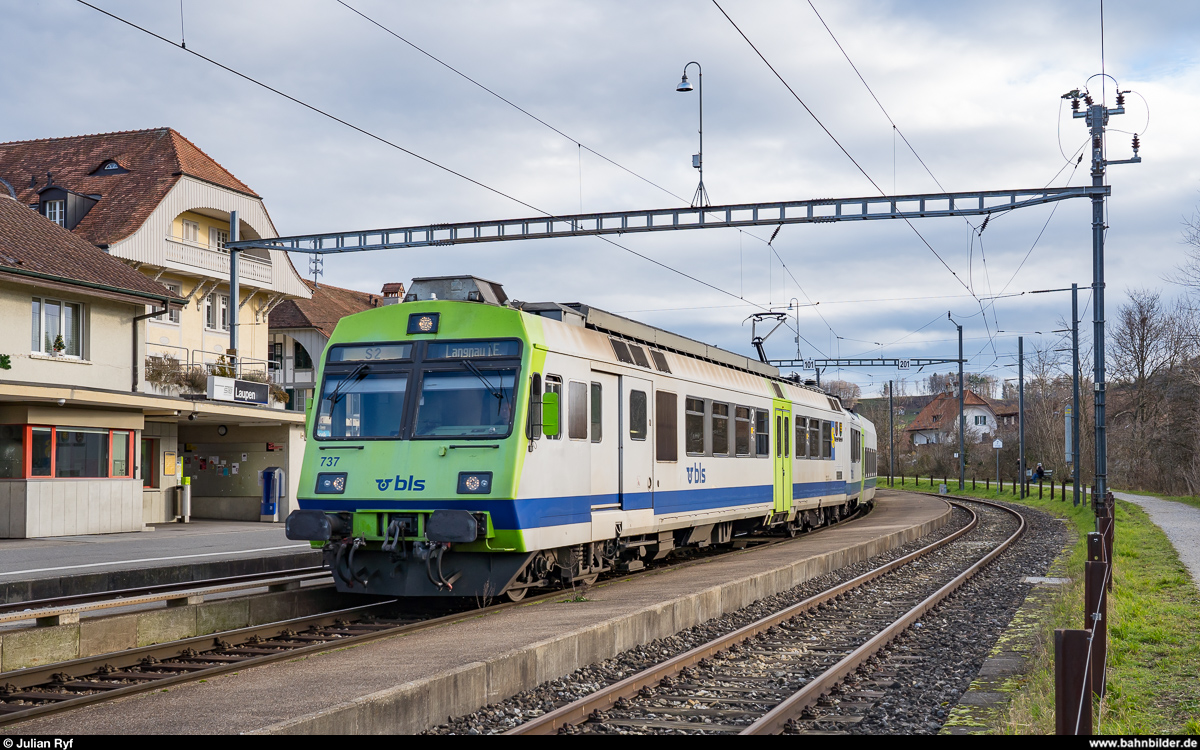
782	673
123	596
63	686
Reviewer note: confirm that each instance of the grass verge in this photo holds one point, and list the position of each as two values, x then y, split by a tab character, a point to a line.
1154	644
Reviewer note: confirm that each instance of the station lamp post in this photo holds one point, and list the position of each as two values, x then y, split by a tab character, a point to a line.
701	196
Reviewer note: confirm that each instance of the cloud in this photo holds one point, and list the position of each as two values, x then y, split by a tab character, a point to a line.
974	87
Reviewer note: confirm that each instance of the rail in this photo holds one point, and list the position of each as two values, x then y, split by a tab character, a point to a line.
581	710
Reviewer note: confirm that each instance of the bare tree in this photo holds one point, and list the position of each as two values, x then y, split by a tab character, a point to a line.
848	393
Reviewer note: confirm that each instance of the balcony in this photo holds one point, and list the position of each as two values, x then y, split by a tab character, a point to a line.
207	261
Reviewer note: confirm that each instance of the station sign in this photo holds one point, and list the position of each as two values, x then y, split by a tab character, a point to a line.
238	391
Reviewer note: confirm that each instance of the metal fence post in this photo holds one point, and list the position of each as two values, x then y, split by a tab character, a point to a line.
1072	699
1095	616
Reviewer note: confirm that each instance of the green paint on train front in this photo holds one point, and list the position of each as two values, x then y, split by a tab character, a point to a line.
431	463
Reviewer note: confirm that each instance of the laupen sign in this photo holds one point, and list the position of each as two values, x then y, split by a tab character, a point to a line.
240	391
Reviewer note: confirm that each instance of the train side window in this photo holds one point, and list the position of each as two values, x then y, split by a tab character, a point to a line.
720	429
741	431
787	437
597	413
533	424
693	425
855	446
827	440
778	436
814	438
577	417
637	415
801	437
762	432
553	385
666	435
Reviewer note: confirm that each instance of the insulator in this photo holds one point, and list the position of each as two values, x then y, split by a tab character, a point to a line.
1136	143
1096	142
1074	105
1088	98
1120	98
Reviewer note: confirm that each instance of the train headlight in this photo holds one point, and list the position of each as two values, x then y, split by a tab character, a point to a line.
331	484
423	322
475	483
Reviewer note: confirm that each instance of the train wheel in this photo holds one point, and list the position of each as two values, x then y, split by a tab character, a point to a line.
590	580
793	528
516	595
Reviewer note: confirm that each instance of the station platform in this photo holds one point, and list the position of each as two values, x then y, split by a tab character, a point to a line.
164	553
409	683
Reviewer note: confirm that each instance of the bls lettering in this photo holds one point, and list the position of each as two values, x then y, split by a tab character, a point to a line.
696	474
401	484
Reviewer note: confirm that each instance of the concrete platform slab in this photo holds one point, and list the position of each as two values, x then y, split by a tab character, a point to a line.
172	552
408	683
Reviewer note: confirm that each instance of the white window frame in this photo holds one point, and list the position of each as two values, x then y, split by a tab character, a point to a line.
190	231
218	317
979	423
173	316
217	239
45	347
56	211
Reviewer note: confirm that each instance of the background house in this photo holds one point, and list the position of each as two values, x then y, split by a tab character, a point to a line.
80	453
152	201
300	330
936	422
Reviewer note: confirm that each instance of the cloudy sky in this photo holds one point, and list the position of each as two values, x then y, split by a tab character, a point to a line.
974	87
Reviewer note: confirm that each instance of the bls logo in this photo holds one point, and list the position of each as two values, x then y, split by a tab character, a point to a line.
401	484
696	474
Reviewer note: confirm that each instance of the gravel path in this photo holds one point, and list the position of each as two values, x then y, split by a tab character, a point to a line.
1180	521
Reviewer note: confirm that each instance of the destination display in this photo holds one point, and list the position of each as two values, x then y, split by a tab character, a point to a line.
370	353
474	349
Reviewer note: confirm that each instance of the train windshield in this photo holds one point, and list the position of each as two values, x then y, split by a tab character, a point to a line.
476	401
362	404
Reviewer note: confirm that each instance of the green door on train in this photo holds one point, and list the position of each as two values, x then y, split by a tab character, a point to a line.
782	461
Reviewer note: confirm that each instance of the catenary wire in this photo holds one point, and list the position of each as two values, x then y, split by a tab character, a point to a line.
398	147
507	101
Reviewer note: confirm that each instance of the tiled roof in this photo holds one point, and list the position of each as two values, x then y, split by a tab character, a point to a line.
942	411
31	242
393	289
1004	408
328	305
155	160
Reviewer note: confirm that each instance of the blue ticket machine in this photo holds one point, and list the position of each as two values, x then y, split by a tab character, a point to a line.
274	489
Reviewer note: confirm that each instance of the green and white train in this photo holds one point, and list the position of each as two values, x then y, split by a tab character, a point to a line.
464	444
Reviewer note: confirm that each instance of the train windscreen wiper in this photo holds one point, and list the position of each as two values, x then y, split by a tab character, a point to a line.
499	394
357	374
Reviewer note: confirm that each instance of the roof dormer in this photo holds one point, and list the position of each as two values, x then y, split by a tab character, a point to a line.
109	166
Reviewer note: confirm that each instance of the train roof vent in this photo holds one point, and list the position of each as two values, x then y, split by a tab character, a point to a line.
456	288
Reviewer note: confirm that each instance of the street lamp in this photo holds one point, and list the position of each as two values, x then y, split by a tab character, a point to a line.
701	196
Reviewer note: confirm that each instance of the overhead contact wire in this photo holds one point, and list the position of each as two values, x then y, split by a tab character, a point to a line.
396	146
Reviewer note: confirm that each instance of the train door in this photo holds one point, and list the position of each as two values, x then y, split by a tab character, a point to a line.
783	456
855	461
635	446
605	435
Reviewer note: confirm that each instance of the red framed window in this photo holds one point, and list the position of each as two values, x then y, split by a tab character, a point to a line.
43	452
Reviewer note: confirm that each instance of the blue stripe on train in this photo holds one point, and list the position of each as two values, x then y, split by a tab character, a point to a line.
555	511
